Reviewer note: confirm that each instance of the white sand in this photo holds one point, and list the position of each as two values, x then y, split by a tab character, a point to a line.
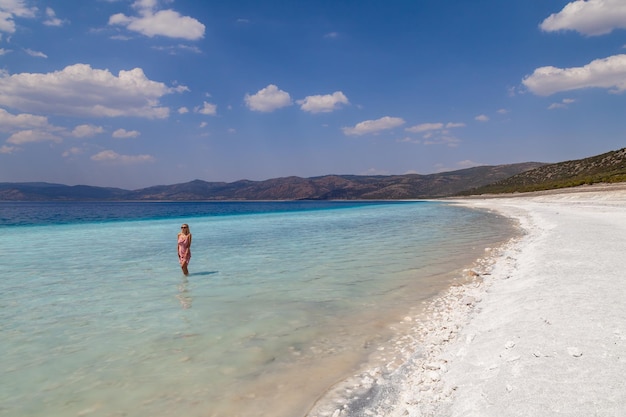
541	331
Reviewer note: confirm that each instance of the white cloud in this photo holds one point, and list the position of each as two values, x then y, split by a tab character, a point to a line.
168	23
502	111
4	51
408	139
52	19
467	164
145	4
10	9
442	139
435	134
511	91
203	125
323	103
121	38
35	54
207	109
4	149
183	110
601	73
589	17
562	105
32	136
114	157
6	22
482	118
174	49
268	99
130	93
375	171
459	165
72	151
373	126
429	127
557	106
424	127
85	131
10	122
125	134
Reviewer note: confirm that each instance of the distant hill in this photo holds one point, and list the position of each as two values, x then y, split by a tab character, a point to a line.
329	187
524	177
43	191
609	167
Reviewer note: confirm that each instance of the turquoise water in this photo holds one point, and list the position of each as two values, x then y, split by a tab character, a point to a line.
282	301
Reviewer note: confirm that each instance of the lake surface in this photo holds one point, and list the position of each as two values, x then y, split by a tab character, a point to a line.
283	300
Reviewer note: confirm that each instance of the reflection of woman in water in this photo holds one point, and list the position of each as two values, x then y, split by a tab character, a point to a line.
184	247
184	295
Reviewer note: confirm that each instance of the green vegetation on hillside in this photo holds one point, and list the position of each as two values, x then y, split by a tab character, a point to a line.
606	168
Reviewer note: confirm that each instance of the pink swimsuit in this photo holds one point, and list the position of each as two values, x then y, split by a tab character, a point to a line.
183	244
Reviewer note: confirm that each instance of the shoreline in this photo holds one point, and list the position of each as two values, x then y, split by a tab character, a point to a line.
529	330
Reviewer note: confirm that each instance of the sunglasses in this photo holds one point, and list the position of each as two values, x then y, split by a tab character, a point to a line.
184	227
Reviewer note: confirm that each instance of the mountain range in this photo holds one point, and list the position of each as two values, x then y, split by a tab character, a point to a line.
328	187
528	176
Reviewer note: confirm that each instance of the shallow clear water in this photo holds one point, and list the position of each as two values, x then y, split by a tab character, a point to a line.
283	300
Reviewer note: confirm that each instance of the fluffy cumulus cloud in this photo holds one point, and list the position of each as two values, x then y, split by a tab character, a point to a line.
609	73
86	131
114	157
323	103
10	122
52	19
27	128
125	134
268	99
589	17
79	90
31	136
373	126
151	22
11	9
207	109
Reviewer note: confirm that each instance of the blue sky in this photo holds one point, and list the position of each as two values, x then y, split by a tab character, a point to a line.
133	93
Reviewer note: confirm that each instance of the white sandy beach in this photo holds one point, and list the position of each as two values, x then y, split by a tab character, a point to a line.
538	328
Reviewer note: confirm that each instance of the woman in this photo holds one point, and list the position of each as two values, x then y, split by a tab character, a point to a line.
184	248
